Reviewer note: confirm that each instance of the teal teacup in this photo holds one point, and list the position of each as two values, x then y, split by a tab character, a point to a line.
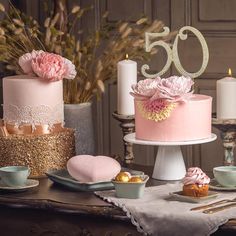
225	175
14	176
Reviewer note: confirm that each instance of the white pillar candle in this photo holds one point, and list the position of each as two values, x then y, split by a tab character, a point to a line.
226	98
127	76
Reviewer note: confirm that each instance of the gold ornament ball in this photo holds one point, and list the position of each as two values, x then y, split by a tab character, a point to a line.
135	179
123	177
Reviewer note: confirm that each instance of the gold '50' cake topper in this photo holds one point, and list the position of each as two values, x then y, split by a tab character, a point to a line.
172	52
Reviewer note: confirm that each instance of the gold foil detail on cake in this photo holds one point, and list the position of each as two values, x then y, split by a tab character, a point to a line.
155	116
39	152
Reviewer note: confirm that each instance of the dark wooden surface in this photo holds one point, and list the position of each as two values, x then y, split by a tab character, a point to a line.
51	209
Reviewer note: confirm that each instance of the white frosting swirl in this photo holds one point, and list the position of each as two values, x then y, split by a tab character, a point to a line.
195	175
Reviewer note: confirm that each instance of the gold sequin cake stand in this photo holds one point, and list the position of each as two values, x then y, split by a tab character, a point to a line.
39	152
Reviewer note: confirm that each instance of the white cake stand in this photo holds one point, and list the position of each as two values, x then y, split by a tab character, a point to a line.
169	164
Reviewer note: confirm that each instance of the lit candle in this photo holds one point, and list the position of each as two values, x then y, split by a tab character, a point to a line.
226	97
127	76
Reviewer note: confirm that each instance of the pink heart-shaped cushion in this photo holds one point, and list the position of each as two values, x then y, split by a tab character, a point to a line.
87	168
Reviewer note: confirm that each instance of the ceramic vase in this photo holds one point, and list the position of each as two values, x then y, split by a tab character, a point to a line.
79	117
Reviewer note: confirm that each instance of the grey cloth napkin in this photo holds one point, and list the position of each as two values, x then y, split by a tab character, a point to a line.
157	213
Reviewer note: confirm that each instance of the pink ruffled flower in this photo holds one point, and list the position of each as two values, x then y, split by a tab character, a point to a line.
145	89
172	89
26	59
70	72
48	66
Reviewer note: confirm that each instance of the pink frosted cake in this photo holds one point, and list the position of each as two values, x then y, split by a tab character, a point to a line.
29	100
33	102
166	110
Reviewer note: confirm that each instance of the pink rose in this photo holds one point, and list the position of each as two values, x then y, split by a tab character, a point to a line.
48	66
26	59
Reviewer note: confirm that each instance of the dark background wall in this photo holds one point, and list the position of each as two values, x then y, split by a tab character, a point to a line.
216	19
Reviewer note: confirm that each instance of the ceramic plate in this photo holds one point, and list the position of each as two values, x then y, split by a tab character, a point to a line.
216	186
179	196
30	183
62	177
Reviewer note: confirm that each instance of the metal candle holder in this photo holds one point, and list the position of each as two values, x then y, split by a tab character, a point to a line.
128	126
228	135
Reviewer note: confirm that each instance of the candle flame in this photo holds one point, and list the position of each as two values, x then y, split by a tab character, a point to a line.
230	72
126	56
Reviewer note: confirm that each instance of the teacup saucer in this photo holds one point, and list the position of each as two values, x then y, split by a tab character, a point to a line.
30	183
214	185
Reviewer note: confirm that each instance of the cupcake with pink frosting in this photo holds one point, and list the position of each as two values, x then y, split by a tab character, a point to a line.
196	183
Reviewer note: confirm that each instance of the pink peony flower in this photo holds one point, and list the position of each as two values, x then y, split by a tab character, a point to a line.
70	72
48	66
145	89
172	89
26	59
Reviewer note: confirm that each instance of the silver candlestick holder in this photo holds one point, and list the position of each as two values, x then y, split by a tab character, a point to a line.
127	125
228	136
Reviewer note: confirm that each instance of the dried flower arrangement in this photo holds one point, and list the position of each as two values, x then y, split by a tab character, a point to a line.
20	34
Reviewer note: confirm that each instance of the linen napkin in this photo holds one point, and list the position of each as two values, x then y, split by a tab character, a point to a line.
156	213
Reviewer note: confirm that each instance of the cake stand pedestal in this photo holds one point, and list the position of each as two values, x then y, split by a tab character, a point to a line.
169	164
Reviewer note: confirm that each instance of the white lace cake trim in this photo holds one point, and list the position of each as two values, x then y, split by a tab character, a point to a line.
33	115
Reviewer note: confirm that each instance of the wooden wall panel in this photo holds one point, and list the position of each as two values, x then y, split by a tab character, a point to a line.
213	15
127	11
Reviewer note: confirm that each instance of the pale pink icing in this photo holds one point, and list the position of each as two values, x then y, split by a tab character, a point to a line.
195	175
26	98
187	121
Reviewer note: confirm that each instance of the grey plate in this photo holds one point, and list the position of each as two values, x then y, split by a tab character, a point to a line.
30	183
62	177
216	186
180	197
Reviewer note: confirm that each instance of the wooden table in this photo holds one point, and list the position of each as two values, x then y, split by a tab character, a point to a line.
51	210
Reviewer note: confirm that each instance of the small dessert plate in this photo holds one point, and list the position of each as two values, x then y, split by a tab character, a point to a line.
63	177
30	183
214	185
180	197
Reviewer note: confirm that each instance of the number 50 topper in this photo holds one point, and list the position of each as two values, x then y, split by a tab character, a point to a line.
172	53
